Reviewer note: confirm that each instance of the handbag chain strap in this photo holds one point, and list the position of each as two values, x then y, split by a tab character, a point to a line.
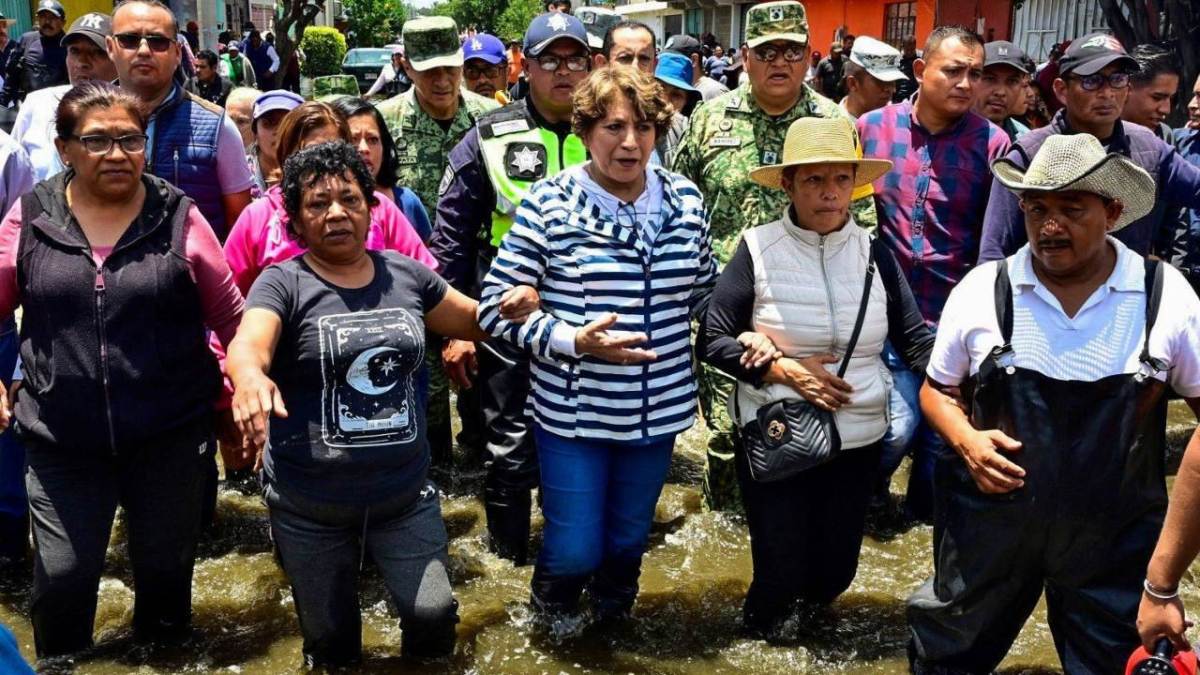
862	308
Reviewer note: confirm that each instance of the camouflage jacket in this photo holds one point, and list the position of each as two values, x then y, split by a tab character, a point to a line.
422	148
727	138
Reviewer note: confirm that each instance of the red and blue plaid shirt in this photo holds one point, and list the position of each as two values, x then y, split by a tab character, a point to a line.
931	204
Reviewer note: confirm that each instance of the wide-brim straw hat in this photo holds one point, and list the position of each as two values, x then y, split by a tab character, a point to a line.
817	140
1079	163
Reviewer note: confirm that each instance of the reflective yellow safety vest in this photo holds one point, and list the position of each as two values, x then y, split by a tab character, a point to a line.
516	154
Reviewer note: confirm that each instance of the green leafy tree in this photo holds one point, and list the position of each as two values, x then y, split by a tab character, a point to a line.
512	23
375	23
482	14
324	48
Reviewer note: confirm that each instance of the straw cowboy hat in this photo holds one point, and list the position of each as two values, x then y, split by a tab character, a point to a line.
814	140
1079	162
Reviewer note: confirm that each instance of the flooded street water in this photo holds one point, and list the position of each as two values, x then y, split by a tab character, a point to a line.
686	621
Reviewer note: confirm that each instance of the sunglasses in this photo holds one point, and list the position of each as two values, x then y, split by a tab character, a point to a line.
550	62
157	43
475	72
99	144
1094	82
768	54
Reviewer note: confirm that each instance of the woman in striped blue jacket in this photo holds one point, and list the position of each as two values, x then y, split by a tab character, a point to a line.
620	255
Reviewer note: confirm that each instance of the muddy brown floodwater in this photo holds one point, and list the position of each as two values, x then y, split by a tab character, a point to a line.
686	621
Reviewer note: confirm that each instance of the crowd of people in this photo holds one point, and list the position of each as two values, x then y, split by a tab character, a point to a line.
837	263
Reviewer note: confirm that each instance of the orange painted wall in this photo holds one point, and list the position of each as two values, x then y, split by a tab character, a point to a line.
997	16
861	17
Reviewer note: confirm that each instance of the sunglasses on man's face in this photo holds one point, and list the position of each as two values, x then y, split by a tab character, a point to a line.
131	41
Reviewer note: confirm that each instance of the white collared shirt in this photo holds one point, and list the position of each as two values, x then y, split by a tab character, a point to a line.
1103	338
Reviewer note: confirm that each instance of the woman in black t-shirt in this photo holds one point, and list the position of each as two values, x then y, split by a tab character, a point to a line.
341	330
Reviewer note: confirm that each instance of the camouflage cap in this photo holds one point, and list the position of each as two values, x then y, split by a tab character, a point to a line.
432	42
771	21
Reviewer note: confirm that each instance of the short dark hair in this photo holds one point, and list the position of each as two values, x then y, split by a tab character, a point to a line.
942	33
559	4
153	3
303	169
621	25
90	95
353	106
207	56
1153	60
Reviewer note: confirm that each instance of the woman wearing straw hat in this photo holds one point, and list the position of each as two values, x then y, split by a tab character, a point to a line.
1057	482
828	296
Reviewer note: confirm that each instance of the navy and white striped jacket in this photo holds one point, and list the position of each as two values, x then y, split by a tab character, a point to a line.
585	265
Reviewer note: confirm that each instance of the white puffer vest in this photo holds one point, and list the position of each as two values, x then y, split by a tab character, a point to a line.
807	290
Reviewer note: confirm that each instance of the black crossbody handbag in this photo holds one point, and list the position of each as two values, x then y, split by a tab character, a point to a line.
789	436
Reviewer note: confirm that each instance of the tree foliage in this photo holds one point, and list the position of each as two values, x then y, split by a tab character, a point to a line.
480	14
512	23
291	20
1171	23
324	48
375	23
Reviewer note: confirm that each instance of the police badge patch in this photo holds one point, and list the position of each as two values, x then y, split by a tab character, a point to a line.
525	161
447	179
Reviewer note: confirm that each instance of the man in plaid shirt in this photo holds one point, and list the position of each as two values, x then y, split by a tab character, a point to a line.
930	208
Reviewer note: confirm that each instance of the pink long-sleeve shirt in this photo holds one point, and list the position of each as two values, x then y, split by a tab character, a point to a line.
259	238
220	299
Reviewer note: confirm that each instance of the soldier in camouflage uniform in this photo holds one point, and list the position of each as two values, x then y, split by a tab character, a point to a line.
727	137
426	122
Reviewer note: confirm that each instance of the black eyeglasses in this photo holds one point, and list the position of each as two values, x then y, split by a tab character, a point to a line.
768	54
476	72
550	62
99	144
157	43
1097	80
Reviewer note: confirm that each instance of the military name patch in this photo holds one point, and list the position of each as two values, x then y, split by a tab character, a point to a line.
725	142
525	161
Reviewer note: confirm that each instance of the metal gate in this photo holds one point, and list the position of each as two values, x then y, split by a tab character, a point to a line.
19	10
1040	24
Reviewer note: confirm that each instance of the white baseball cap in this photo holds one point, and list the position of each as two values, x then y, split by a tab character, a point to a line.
879	59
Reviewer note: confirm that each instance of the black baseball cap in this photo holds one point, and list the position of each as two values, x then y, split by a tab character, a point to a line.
683	44
93	26
52	6
1004	53
1094	52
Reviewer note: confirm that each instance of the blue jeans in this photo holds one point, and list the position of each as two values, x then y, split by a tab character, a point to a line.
598	498
908	433
904	411
14	507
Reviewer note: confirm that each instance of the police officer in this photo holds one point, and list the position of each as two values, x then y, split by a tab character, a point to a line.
426	122
39	59
489	173
726	138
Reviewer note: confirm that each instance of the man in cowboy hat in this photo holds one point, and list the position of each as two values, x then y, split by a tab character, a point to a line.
1057	478
728	137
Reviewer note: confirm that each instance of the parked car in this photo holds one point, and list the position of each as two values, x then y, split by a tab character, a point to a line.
365	64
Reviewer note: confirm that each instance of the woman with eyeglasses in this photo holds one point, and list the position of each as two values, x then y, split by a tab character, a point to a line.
119	277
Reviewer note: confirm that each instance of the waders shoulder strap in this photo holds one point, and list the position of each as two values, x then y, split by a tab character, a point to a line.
1004	301
1154	287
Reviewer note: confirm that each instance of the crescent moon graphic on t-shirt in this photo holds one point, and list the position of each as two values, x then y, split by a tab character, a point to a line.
358	375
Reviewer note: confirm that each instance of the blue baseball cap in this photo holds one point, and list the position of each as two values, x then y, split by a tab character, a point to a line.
276	99
486	47
547	28
675	70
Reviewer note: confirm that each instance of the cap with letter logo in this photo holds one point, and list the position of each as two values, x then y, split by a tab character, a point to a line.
772	21
52	6
93	26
